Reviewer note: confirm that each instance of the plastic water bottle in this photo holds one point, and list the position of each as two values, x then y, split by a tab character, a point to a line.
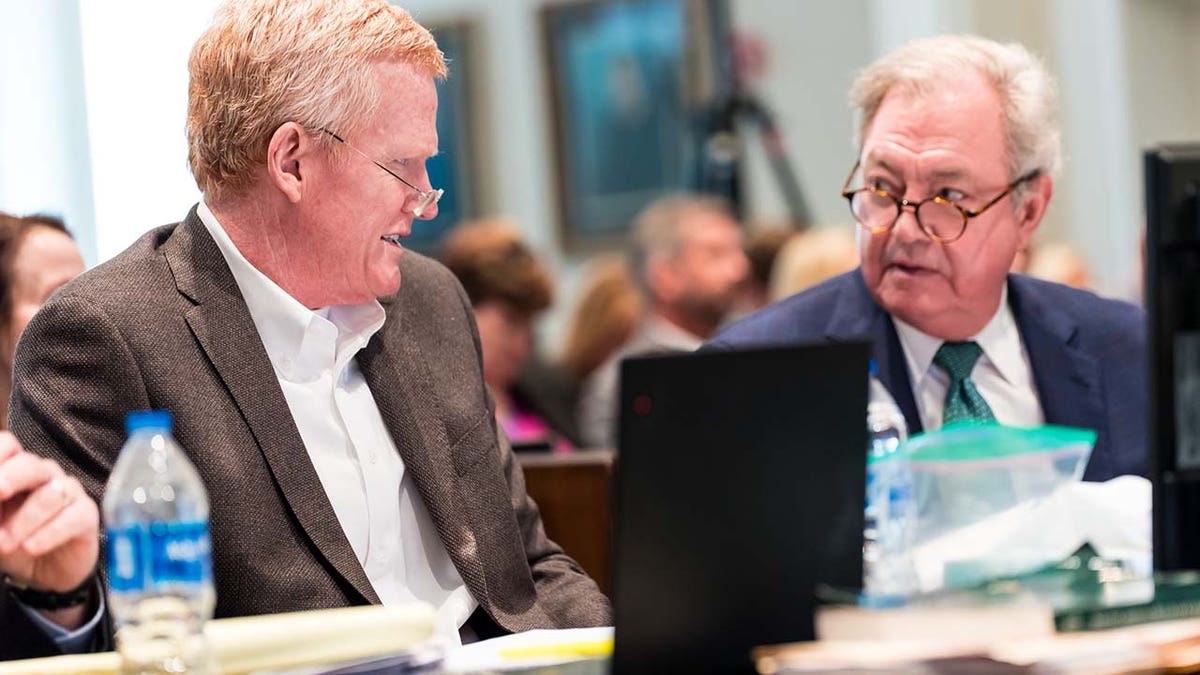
890	516
159	556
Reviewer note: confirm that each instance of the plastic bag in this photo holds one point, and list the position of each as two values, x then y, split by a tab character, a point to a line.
981	494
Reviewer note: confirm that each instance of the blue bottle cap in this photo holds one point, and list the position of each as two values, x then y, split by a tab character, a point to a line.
148	419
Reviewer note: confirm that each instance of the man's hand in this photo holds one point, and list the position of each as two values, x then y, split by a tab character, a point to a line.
49	527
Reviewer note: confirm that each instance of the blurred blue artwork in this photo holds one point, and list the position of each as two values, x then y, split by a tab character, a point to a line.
617	71
452	168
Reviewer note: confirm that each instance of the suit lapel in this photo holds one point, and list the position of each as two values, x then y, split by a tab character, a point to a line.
399	378
225	331
1068	380
856	317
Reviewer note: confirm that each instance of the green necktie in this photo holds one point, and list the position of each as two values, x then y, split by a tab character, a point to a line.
963	401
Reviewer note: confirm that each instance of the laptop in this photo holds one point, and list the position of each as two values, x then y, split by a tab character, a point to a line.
739	489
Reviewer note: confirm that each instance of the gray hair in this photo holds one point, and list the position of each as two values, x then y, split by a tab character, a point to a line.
1027	91
658	229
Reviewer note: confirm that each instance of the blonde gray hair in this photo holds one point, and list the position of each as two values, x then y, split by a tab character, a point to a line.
266	62
1027	92
658	228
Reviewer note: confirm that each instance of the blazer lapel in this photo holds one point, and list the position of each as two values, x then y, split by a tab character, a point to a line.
857	317
225	331
399	378
1068	380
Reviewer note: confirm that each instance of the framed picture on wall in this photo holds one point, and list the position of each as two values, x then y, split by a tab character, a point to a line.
621	82
455	167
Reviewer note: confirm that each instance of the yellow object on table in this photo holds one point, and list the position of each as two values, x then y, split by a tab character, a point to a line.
581	649
276	641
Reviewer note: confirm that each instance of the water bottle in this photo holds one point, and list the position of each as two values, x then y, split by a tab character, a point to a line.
890	515
160	590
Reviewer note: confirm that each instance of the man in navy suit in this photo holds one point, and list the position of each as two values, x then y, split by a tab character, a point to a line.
959	146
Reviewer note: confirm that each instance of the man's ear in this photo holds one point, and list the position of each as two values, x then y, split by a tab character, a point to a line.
1033	208
663	279
290	148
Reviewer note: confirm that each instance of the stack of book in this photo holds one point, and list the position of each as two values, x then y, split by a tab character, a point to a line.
1085	614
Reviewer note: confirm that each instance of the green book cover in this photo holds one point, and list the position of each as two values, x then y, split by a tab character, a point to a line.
1167	597
1088	592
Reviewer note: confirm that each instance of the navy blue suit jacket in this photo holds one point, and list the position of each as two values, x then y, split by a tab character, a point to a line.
1088	355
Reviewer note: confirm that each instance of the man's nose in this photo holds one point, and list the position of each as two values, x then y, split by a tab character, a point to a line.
423	182
907	227
429	213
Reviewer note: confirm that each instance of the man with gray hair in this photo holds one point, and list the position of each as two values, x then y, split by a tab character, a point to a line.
337	416
957	153
686	255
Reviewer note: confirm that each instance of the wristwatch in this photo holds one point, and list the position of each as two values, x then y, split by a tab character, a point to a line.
51	600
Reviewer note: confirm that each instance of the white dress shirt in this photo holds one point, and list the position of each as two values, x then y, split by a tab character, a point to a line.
1003	374
356	460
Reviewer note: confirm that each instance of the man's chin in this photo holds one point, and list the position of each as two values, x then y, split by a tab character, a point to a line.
386	287
927	313
907	299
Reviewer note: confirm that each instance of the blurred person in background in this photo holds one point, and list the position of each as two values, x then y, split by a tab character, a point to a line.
609	308
762	248
810	257
1059	262
687	258
37	255
509	288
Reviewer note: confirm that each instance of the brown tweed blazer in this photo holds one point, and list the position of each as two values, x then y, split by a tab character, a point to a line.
163	325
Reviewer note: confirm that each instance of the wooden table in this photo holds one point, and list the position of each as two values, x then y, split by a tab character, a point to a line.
574	493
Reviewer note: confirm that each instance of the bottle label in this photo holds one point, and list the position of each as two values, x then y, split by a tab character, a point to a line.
144	557
125	556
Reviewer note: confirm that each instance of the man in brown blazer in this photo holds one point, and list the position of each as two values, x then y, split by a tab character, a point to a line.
311	159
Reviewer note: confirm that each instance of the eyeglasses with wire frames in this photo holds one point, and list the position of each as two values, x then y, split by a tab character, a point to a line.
426	199
941	219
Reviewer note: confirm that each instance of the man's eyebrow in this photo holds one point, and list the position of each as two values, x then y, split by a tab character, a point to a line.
874	158
949	173
416	156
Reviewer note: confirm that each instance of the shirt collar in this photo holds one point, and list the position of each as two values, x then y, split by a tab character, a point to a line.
999	339
299	341
669	336
1001	342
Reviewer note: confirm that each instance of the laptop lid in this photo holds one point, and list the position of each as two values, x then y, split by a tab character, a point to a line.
739	487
